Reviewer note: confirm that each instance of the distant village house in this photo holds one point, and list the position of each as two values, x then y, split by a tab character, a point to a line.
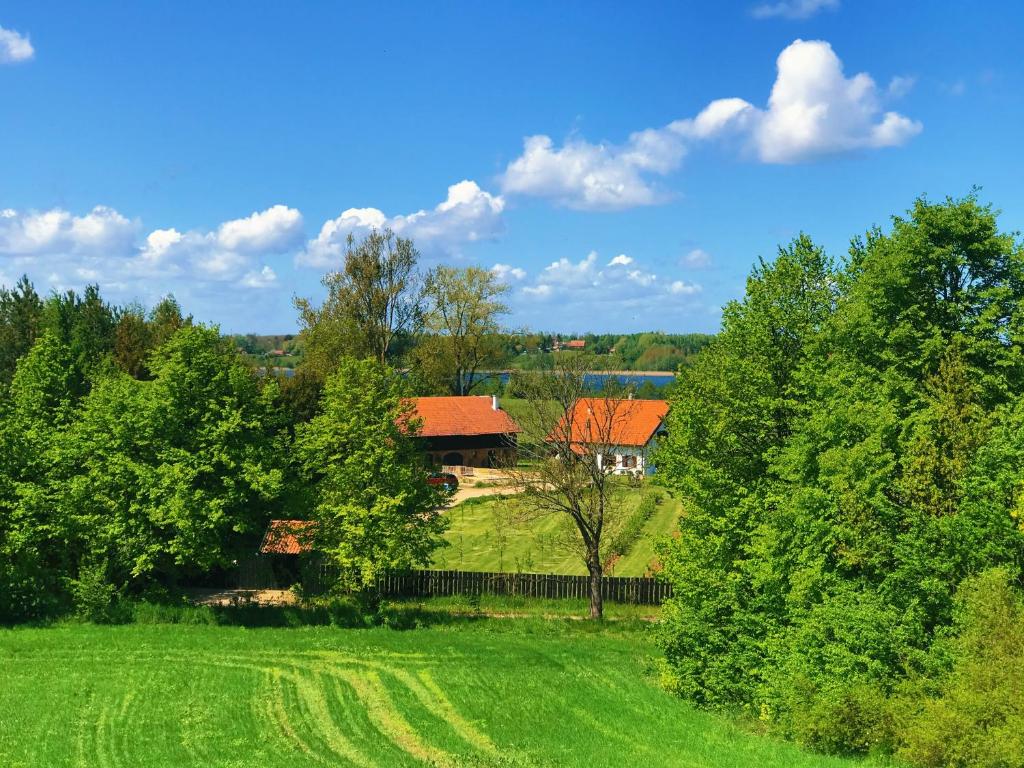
572	344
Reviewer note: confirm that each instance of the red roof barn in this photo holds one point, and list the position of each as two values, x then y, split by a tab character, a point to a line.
468	431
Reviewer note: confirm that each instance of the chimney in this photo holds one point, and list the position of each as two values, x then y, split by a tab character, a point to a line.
494	402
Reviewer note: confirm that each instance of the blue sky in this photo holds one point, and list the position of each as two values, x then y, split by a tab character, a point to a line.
622	165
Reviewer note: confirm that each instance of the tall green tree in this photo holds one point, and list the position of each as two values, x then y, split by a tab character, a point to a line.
462	327
167	477
842	482
33	533
374	509
374	304
21	320
732	410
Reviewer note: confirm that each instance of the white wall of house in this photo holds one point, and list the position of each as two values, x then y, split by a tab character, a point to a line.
626	458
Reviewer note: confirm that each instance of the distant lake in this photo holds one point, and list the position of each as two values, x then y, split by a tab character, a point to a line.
597	379
594	380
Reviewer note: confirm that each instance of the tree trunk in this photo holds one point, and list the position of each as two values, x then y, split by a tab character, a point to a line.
596	602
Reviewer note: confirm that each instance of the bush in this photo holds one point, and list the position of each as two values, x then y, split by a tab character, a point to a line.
976	720
95	598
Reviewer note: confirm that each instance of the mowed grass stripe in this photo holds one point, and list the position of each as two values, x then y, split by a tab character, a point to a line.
485	693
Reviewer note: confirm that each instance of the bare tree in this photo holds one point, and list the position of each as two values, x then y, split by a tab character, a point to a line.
373	301
567	451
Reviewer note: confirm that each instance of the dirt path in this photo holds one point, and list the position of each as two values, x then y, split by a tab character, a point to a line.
467	491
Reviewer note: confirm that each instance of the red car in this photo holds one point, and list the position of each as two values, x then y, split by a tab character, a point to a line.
446	479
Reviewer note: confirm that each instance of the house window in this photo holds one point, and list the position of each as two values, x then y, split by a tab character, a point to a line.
629	462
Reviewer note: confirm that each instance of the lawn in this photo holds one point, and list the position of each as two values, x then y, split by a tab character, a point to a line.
485	537
461	692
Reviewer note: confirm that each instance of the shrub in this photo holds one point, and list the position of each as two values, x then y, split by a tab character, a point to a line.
976	720
95	598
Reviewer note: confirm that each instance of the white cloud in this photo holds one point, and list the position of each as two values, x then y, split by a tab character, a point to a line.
619	294
44	233
507	273
698	258
594	176
263	278
274	230
14	47
567	273
793	9
621	280
468	214
813	110
681	287
102	246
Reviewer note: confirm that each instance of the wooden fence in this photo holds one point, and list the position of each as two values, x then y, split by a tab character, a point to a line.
280	572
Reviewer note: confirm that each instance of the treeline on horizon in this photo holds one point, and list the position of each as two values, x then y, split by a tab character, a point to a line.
849	451
646	351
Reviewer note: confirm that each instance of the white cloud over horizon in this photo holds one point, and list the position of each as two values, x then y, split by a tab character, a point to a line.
15	47
468	214
813	110
103	246
613	292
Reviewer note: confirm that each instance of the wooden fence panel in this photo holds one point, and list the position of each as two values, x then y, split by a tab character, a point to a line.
643	591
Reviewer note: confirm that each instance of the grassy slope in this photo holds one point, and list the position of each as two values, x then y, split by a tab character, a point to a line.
476	530
486	693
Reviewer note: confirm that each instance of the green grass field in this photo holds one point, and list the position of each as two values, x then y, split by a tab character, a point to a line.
486	692
484	537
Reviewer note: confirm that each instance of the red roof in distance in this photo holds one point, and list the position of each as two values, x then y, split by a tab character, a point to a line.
612	422
470	415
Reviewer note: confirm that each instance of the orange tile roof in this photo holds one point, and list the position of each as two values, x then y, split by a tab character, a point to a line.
471	415
287	537
611	422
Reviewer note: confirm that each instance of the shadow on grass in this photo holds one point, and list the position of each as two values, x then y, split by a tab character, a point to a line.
347	614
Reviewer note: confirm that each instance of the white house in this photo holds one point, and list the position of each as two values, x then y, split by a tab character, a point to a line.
622	432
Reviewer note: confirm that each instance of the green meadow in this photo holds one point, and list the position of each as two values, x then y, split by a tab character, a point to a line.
450	691
487	534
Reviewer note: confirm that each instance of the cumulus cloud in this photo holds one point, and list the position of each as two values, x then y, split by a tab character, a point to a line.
46	233
274	230
507	273
594	176
468	214
793	9
620	280
622	292
263	278
681	287
813	110
102	246
14	47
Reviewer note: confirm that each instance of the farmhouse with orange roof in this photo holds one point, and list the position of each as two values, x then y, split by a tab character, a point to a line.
623	433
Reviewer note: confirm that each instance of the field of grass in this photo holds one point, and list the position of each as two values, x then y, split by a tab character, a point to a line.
486	692
484	536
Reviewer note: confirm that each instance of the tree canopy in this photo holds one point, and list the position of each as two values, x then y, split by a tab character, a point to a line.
836	448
